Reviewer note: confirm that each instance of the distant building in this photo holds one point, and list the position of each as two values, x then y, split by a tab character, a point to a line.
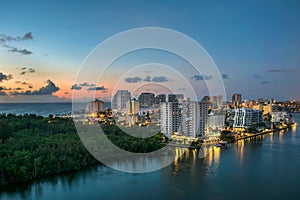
95	106
273	101
216	101
188	120
134	106
133	109
281	116
146	100
194	119
176	111
266	109
160	98
249	103
262	100
205	99
203	111
236	100
166	119
190	125
216	121
246	118
172	98
180	97
120	101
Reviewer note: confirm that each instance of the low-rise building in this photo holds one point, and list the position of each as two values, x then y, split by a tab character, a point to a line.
281	116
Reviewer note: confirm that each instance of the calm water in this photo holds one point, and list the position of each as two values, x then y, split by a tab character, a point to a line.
43	109
265	168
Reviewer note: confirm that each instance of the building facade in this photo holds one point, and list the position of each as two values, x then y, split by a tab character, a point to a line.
160	99
281	116
146	100
120	101
236	100
95	106
216	121
166	119
216	101
246	118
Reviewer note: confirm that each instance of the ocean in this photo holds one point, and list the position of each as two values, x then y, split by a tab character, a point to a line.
43	109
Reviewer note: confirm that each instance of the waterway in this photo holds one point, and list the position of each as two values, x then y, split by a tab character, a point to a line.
267	167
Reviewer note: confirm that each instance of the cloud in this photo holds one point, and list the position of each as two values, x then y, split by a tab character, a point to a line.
76	87
20	51
20	82
27	36
30	86
25	70
155	79
133	79
85	84
280	70
1	91
257	76
225	76
97	88
7	38
147	79
158	79
181	89
31	70
200	77
4	39
4	88
264	82
4	77
50	88
79	86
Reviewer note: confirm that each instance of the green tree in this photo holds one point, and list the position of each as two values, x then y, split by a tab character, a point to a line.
5	131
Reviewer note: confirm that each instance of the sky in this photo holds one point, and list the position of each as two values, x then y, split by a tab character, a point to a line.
255	45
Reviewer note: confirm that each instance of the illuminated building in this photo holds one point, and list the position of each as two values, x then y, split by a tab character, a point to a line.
166	119
194	119
216	101
95	106
281	116
120	101
160	98
216	121
236	100
146	101
265	108
246	118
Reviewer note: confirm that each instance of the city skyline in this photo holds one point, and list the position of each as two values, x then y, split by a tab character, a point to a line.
254	44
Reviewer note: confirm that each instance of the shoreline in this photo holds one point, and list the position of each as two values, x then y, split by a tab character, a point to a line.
263	133
38	178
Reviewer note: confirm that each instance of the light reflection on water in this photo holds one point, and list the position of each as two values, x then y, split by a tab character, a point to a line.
263	164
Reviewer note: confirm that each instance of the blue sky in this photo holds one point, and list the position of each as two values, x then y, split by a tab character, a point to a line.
255	43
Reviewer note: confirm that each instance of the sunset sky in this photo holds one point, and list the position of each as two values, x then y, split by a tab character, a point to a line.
255	45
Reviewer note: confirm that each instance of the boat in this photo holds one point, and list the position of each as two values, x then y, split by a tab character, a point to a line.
218	145
223	142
